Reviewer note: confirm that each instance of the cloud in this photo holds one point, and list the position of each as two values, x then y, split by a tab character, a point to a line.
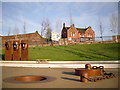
83	14
31	25
19	22
28	21
9	25
85	20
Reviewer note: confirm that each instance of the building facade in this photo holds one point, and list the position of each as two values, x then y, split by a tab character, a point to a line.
77	34
32	38
55	36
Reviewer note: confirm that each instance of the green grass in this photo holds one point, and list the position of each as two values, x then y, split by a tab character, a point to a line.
83	52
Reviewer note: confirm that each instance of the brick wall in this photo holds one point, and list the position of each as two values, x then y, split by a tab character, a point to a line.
116	38
90	33
72	33
31	37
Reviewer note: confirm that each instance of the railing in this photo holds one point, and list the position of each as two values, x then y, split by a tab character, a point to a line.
104	38
65	41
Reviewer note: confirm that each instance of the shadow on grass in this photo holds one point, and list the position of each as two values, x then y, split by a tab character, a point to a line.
69	73
94	52
77	80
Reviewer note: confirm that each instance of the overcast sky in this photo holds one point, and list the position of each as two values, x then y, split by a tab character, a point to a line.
83	14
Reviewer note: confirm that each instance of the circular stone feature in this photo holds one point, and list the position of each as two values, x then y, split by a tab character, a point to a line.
30	78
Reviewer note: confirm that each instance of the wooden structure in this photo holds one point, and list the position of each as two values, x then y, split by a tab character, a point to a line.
8	50
16	50
42	60
24	50
12	50
33	38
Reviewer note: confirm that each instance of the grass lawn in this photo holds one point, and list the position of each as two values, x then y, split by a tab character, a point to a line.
82	52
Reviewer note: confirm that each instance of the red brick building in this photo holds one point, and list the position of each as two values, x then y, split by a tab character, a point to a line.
77	34
33	38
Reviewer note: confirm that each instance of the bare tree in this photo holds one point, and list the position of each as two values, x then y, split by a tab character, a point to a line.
42	28
114	23
16	31
101	29
46	29
48	34
24	28
58	25
9	31
71	19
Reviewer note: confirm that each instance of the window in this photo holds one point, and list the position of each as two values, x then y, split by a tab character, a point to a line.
72	33
82	35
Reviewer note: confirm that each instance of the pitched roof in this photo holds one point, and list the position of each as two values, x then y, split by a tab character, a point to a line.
67	27
23	35
80	30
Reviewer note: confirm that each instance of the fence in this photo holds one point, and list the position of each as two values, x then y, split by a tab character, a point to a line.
65	41
104	38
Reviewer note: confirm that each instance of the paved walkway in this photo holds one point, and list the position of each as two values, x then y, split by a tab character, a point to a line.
63	78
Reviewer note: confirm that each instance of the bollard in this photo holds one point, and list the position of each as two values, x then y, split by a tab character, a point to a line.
8	50
84	77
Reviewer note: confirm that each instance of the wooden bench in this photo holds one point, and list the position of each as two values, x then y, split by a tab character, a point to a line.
42	60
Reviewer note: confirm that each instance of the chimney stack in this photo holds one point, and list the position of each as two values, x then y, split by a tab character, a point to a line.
72	25
63	24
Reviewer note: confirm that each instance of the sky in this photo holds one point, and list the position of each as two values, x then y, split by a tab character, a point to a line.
83	14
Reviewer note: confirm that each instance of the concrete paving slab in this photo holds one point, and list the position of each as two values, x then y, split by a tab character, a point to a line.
65	78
